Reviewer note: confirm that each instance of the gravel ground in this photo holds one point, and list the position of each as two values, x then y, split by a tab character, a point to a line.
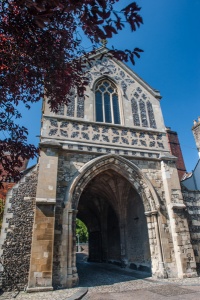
104	279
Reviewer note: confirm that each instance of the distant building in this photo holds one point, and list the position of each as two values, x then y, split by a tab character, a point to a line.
191	195
192	180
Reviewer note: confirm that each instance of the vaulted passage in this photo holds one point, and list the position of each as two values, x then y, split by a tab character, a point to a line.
114	215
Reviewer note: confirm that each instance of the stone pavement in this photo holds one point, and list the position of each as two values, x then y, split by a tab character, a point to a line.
108	282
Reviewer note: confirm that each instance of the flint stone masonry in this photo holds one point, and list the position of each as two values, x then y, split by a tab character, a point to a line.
16	235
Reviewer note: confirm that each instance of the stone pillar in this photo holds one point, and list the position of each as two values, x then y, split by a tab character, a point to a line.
124	260
68	270
63	250
158	268
72	269
104	232
184	256
41	261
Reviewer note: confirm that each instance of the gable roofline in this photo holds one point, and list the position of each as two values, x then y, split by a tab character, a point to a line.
144	84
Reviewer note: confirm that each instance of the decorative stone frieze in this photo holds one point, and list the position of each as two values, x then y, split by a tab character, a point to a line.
103	134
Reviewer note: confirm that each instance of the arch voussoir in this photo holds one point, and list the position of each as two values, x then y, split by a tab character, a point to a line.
122	166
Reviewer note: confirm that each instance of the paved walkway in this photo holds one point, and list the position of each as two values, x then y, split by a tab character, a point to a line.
108	282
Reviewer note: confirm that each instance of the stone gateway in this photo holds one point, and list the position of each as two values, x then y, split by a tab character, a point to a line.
106	160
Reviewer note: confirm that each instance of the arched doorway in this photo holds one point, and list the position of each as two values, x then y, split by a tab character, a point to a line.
114	214
131	206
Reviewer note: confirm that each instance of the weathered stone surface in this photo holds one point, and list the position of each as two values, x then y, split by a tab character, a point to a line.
192	202
16	233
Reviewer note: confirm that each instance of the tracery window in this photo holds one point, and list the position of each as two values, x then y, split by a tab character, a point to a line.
107	102
142	110
75	107
136	118
151	115
143	113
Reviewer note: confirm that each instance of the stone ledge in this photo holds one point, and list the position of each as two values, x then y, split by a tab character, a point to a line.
29	198
178	206
167	156
45	201
151	213
39	289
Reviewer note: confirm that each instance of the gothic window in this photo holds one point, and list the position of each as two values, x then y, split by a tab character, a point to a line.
80	107
142	110
75	107
107	103
151	115
61	109
136	119
143	113
71	105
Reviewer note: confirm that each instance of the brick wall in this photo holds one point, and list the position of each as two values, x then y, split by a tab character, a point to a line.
175	149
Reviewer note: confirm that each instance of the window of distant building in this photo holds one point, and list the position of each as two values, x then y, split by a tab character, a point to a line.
107	102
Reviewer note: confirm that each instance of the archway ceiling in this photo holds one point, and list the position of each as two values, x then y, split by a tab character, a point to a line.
108	188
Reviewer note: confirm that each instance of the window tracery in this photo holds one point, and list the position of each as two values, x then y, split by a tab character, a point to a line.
74	108
151	115
142	110
107	102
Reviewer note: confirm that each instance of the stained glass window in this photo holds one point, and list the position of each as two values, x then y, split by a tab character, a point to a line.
107	104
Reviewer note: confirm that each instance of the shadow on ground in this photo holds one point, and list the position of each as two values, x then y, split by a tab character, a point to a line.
97	274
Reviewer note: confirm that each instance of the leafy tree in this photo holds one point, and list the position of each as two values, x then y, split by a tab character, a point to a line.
82	231
41	50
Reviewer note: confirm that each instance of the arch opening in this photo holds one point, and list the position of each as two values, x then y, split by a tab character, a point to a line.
113	212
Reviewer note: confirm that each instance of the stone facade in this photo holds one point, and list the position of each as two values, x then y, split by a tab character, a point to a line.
16	235
112	168
192	201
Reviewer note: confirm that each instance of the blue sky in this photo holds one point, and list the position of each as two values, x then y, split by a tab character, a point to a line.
170	63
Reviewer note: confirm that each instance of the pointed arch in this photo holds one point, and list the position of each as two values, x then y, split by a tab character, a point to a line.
127	169
107	106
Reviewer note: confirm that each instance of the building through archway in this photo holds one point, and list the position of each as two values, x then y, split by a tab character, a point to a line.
114	214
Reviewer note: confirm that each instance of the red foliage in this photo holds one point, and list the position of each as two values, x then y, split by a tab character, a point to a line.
41	49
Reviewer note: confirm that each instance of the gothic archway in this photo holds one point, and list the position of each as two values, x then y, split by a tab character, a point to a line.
114	214
146	204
